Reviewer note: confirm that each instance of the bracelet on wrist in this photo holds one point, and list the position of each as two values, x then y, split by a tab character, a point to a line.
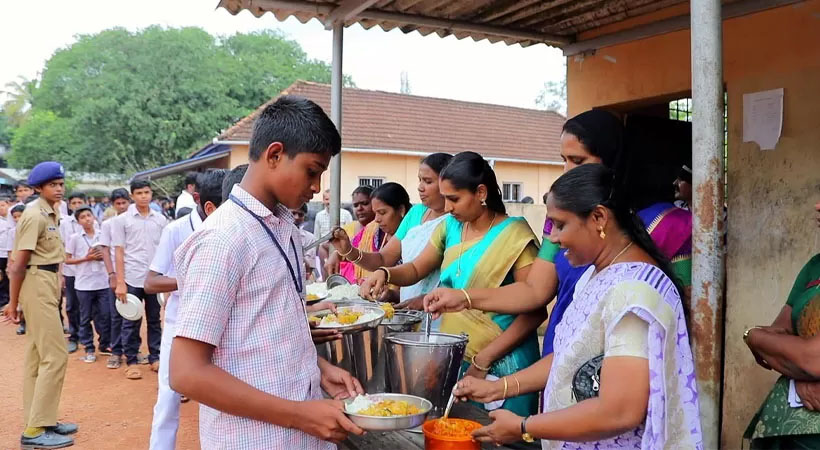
475	364
346	254
386	273
469	300
359	258
504	396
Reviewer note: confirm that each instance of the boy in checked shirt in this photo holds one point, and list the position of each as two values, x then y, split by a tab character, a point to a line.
243	346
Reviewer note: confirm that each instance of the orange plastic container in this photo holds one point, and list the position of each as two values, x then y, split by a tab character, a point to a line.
433	441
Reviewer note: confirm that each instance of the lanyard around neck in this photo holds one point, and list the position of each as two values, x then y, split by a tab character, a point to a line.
297	281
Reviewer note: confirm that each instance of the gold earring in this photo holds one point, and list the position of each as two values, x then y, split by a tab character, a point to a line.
602	233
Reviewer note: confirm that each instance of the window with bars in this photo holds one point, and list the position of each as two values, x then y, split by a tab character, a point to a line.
681	109
373	182
511	192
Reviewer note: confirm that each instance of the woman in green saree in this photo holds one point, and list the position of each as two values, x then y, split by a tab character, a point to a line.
478	246
790	346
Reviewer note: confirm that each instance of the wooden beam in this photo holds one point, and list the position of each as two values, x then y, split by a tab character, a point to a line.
670	25
347	10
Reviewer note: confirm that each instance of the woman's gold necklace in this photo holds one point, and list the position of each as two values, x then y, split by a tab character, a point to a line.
615	258
463	235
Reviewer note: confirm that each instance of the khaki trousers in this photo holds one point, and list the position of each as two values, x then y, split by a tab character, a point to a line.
46	355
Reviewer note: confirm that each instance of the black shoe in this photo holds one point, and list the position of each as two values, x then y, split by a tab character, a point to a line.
64	428
46	439
21	330
72	346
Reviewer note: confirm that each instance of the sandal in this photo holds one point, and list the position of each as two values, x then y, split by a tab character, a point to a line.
133	373
113	362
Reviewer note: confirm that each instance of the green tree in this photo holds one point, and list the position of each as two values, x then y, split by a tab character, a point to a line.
43	137
5	131
129	101
19	95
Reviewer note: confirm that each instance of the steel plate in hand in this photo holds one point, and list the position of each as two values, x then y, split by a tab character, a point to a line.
378	423
346	329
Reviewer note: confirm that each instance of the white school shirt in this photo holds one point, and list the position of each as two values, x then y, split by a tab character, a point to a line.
163	263
69	227
90	275
139	237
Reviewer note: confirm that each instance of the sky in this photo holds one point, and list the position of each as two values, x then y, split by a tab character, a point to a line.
31	31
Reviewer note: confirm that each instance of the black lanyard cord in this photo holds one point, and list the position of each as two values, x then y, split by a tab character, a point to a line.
296	280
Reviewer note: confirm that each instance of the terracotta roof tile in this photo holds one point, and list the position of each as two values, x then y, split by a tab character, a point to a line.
390	121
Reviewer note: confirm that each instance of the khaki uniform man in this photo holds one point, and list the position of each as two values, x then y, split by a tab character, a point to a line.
35	285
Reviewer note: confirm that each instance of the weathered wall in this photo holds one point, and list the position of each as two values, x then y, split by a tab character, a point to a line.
771	194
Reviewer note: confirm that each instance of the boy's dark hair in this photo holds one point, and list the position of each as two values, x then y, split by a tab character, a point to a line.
183	212
18	208
81	209
119	193
80	195
22	184
209	186
299	124
233	177
139	184
190	178
5	198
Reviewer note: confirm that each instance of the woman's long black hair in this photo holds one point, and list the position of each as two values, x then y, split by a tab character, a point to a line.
584	187
468	170
601	134
437	161
394	195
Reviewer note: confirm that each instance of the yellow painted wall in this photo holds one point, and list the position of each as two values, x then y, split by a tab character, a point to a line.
771	194
403	169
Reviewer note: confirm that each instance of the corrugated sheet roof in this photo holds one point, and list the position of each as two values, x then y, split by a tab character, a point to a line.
525	22
389	121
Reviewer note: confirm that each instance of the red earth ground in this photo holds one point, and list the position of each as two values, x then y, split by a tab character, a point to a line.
111	411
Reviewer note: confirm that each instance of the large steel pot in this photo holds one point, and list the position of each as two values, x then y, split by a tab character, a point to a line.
362	353
423	367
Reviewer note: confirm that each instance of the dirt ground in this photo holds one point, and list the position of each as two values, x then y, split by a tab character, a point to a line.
111	411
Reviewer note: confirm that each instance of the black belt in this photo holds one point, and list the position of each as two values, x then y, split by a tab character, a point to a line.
47	267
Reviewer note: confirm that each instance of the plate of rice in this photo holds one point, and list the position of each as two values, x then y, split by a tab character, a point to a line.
387	412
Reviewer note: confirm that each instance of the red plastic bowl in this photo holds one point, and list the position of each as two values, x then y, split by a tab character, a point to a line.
433	441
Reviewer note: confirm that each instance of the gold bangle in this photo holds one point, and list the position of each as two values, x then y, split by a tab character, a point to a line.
348	252
518	384
475	364
386	273
505	388
357	260
469	300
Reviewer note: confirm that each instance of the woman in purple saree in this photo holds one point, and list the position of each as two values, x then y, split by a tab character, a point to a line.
622	373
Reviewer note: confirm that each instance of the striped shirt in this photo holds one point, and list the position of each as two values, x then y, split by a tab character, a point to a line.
237	294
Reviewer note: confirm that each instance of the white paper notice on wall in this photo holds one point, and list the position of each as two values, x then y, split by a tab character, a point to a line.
763	118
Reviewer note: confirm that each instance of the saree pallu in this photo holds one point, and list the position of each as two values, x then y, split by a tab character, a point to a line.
368	239
489	262
670	228
777	425
672	417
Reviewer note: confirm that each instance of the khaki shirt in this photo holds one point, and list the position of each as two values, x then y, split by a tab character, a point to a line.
38	230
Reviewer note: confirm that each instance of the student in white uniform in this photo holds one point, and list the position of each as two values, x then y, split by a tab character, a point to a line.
84	253
68	228
161	273
120	201
6	223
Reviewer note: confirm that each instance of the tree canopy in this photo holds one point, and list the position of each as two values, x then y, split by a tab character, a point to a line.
122	101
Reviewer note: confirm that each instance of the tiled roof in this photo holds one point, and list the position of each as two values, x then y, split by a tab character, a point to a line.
389	121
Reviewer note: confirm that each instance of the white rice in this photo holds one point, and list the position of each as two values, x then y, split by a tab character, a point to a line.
360	403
